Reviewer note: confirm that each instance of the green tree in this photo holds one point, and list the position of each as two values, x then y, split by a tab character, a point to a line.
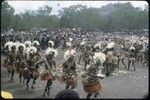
6	16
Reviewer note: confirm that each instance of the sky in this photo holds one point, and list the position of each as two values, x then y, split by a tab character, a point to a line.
21	6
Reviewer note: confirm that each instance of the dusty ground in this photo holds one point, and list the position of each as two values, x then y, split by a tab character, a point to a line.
126	84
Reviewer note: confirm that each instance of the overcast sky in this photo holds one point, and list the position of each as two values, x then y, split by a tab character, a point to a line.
21	6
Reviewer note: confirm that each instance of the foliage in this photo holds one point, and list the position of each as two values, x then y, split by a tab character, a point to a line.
112	17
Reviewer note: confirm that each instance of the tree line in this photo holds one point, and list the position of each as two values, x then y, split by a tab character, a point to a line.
112	17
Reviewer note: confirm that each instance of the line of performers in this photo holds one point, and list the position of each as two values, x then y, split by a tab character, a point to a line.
25	59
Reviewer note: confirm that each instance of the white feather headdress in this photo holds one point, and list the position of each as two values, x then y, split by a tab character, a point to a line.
27	49
132	48
82	43
50	50
68	53
51	42
35	42
99	56
69	44
111	45
31	49
34	49
73	29
27	43
8	43
11	45
84	39
70	39
98	44
109	54
19	45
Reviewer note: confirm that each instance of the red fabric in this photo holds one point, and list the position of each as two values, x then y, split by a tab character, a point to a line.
46	77
92	87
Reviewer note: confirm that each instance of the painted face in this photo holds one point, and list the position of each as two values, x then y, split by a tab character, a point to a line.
31	54
35	45
51	55
7	48
71	58
49	44
27	45
13	48
20	48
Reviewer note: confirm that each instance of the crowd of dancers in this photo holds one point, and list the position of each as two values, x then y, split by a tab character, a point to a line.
99	54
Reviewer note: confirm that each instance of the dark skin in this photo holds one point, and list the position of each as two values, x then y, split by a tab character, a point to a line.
6	52
108	67
146	56
11	58
51	60
131	55
20	58
69	69
91	72
121	59
31	69
138	56
85	56
53	64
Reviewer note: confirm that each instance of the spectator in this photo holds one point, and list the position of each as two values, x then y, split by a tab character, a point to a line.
67	94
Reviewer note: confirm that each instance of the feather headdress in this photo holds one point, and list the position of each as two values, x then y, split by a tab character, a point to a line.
11	45
50	50
51	42
8	43
34	49
132	48
27	43
35	43
82	43
69	53
17	45
69	44
70	39
20	45
31	49
99	56
109	54
98	44
111	45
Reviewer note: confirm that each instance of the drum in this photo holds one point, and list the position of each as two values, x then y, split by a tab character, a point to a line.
92	87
